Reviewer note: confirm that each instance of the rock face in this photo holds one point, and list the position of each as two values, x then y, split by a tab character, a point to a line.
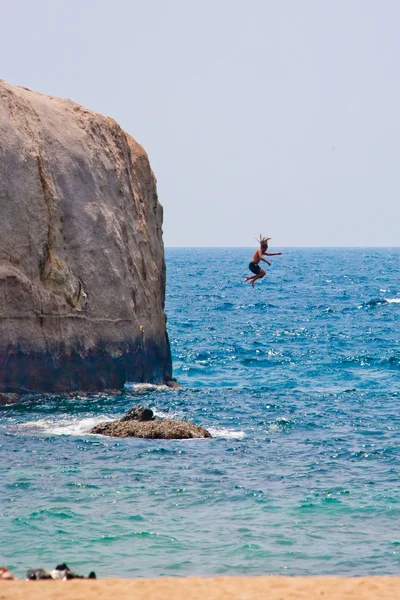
138	413
139	422
82	272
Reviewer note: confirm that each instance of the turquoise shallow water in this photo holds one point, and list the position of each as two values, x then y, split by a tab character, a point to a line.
298	380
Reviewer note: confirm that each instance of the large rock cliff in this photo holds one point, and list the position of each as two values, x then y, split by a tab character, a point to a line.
82	272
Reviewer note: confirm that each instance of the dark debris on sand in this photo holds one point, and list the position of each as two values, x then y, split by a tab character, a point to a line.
62	572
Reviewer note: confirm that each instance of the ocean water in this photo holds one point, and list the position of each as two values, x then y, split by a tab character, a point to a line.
298	381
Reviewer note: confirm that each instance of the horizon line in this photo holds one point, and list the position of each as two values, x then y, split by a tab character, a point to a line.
286	246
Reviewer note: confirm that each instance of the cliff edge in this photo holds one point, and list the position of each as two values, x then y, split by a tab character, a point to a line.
82	271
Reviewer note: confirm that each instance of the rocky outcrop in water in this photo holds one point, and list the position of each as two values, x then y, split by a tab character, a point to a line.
82	272
9	398
140	422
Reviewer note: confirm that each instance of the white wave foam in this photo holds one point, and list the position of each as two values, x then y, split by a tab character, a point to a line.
223	432
274	427
65	426
145	387
79	427
393	300
167	415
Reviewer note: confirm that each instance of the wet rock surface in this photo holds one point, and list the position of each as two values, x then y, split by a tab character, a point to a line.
9	398
138	413
134	425
82	271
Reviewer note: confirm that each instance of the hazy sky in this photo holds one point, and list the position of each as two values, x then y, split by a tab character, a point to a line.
272	116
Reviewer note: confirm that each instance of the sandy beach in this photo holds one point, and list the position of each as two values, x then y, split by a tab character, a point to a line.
213	588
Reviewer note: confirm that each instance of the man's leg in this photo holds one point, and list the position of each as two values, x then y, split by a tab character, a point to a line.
259	276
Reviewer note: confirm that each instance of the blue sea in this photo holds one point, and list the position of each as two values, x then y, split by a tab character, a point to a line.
297	379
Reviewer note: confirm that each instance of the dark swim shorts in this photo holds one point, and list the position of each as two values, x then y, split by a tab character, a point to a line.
254	268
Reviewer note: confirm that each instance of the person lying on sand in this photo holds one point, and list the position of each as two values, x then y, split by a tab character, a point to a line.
258	256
